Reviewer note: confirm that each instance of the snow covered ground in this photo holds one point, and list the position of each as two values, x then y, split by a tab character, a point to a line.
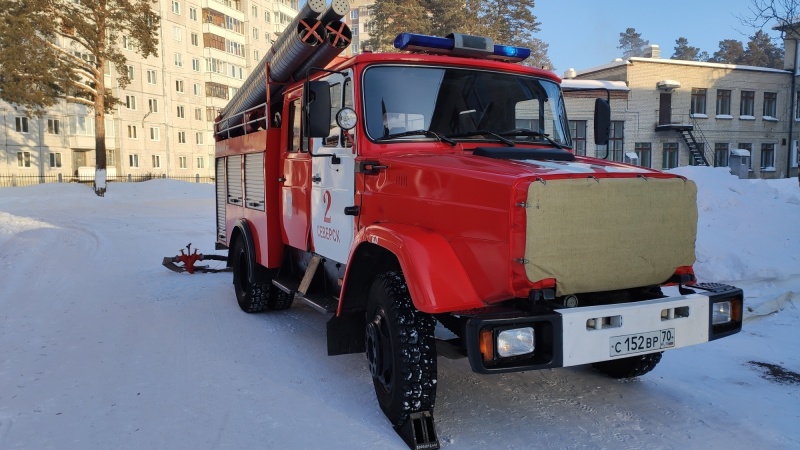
103	348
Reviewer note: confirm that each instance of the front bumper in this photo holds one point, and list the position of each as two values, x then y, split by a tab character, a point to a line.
583	335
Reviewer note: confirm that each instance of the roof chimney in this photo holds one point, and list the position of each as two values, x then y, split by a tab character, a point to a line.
652	51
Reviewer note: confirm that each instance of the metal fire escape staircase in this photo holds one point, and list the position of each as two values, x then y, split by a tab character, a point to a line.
696	149
693	137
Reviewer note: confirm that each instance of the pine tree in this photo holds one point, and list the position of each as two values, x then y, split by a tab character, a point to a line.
631	43
505	21
54	50
686	52
761	52
730	51
392	17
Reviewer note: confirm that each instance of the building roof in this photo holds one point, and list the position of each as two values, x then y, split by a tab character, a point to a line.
591	85
620	62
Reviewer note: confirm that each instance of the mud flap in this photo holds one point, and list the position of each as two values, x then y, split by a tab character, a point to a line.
419	431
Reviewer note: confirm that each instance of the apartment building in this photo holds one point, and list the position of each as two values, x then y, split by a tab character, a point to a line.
207	48
358	19
680	113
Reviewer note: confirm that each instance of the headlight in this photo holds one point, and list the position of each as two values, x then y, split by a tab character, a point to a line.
721	313
517	341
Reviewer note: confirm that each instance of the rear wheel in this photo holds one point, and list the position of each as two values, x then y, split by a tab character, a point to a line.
254	296
400	350
633	366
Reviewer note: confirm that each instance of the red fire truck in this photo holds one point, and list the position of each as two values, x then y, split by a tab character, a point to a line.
437	185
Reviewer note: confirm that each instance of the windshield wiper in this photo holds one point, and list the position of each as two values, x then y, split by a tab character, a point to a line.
508	142
528	132
428	133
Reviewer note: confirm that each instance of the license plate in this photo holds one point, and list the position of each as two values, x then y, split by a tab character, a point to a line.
642	342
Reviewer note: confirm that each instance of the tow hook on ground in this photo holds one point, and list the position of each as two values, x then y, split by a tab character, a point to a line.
188	260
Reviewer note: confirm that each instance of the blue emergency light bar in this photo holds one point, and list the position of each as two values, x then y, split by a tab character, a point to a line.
461	45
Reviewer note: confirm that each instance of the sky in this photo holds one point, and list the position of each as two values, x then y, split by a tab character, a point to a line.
585	33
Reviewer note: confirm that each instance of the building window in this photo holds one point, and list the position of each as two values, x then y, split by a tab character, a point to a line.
770	105
156	161
21	124
670	156
193	14
644	151
198	114
698	101
53	126
196	64
126	42
155	134
266	16
195	38
152	105
721	154
23	159
797	106
196	89
747	106
723	102
255	55
767	156
178	60
216	90
55	160
182	162
201	162
130	102
151	77
133	160
181	112
176	7
616	139
130	72
256	33
577	129
181	137
353	14
177	34
132	132
198	138
179	85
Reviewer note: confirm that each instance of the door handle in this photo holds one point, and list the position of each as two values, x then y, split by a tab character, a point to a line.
316	179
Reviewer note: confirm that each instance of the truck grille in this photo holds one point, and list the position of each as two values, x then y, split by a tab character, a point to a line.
595	235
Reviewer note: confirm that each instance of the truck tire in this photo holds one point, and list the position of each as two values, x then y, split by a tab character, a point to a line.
257	296
400	349
633	366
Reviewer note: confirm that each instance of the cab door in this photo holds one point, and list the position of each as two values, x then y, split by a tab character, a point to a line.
296	179
333	202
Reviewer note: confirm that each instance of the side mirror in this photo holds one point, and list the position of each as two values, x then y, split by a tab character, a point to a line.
318	109
602	121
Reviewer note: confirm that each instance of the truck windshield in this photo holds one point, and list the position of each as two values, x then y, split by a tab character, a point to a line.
463	104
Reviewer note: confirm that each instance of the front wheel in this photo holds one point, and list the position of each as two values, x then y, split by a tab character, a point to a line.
630	367
400	350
